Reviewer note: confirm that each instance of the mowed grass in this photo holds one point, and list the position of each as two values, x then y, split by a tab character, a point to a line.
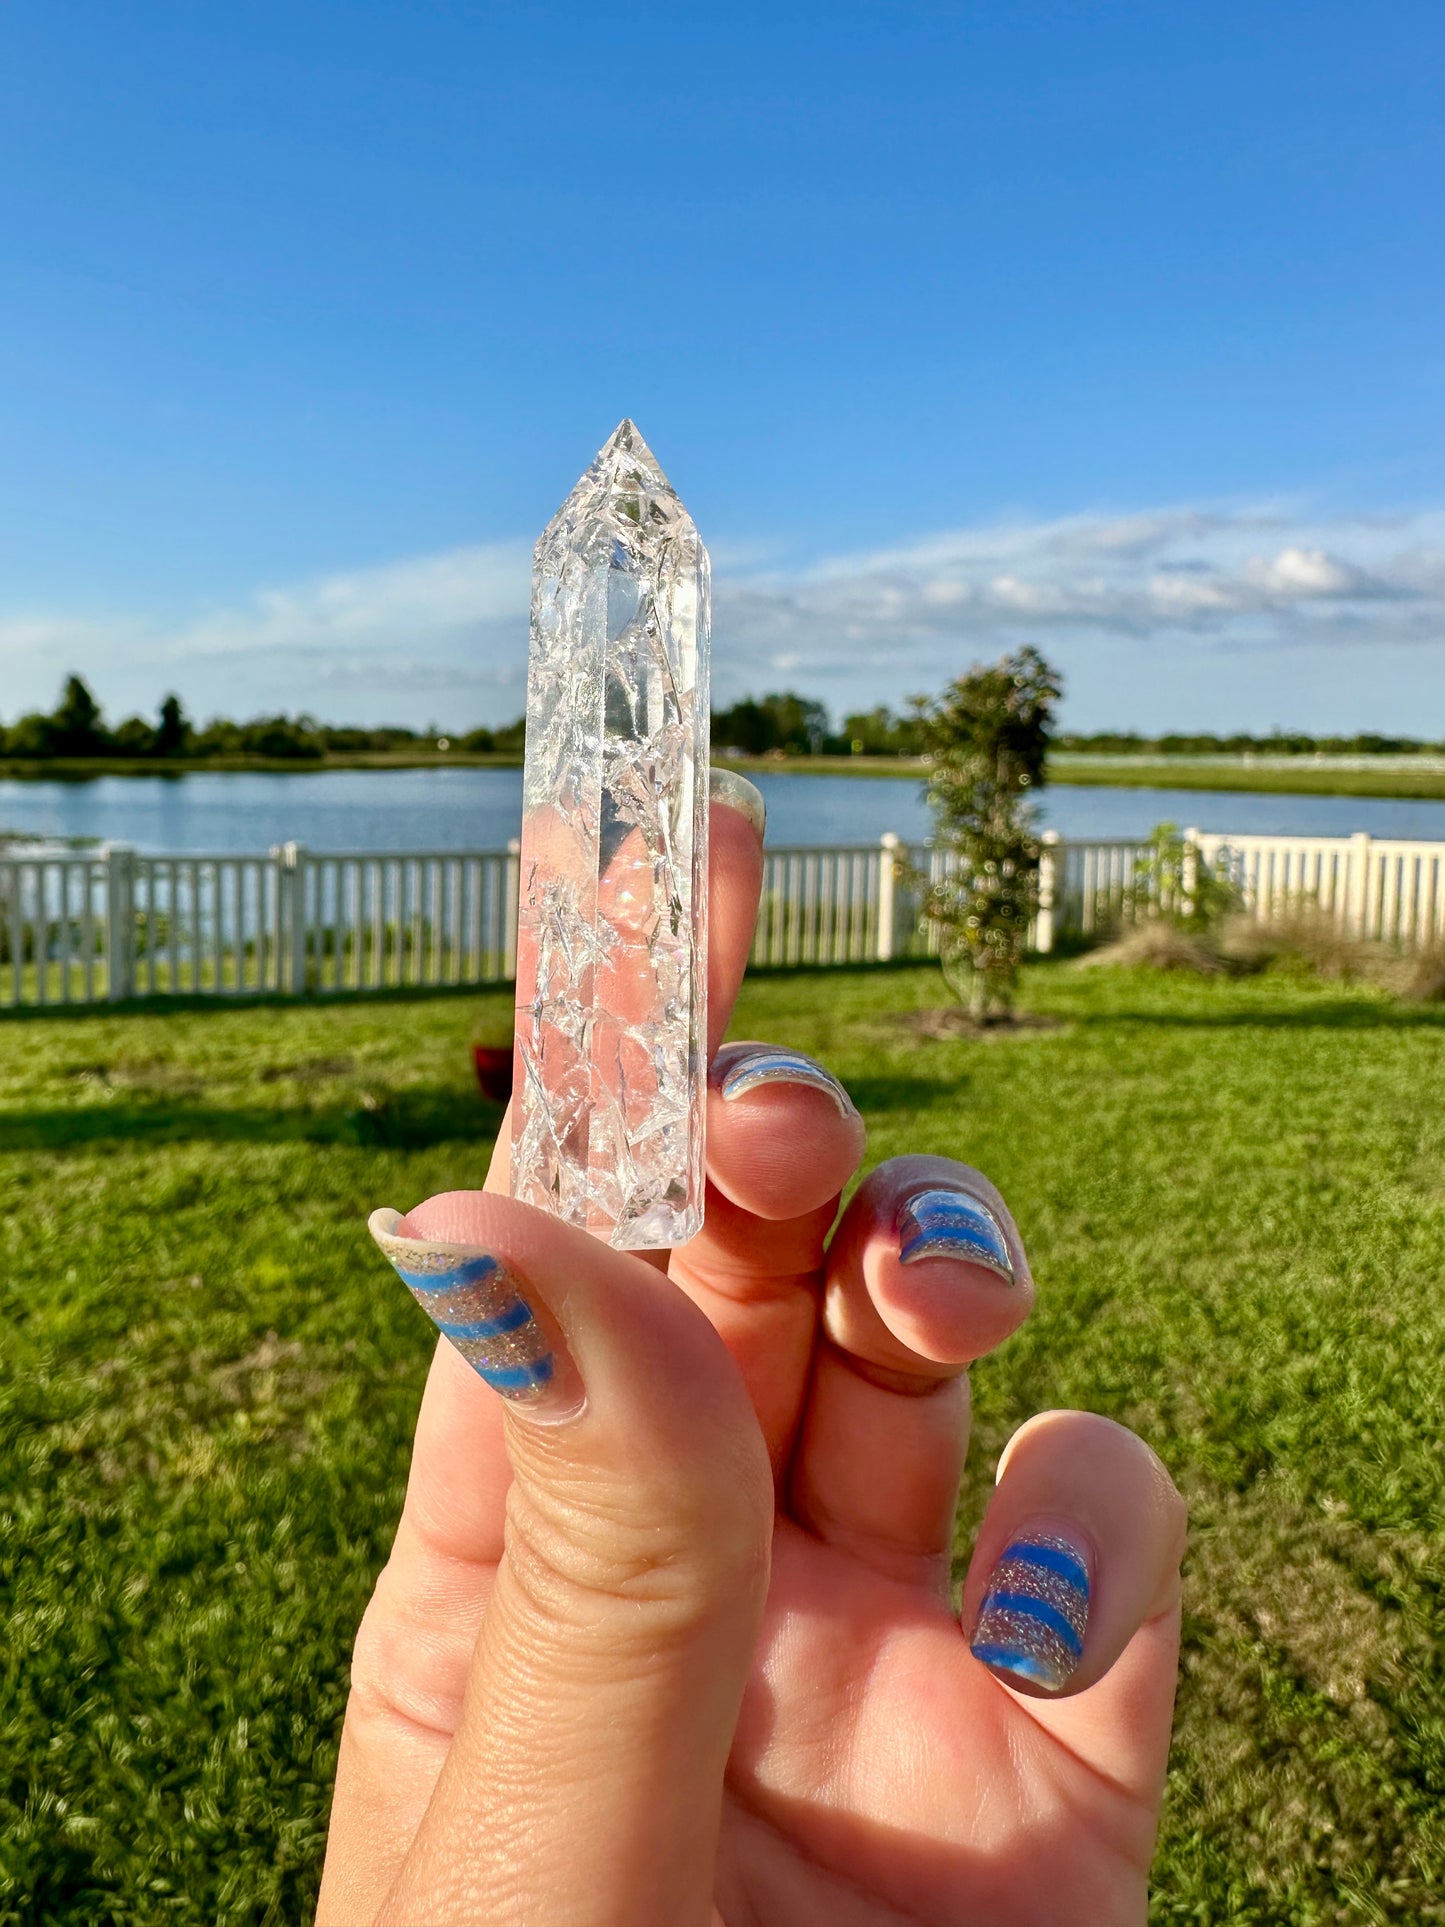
1234	1197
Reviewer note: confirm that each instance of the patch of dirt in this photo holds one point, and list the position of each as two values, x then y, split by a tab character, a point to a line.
311	1070
271	1352
147	1074
939	1026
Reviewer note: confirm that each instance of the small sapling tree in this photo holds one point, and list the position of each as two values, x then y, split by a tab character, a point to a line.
986	739
1172	882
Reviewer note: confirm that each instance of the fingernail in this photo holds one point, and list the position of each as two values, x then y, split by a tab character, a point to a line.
952	1224
1031	1625
761	1064
726	786
479	1308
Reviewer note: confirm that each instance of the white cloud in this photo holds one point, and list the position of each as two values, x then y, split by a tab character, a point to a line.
52	638
378	641
445	634
1182	579
430	598
1185	596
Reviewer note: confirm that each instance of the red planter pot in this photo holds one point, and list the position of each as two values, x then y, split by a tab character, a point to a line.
494	1070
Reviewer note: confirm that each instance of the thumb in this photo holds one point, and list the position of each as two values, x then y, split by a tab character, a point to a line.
584	1783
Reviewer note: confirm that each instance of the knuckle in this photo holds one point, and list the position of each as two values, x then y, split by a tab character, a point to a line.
409	1661
1173	1509
675	1558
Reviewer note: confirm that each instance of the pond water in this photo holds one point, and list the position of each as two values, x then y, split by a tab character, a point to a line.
480	809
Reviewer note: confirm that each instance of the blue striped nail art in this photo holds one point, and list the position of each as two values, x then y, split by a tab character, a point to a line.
1033	1619
951	1224
474	1303
765	1064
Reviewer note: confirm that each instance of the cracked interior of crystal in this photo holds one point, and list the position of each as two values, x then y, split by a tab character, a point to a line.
610	1081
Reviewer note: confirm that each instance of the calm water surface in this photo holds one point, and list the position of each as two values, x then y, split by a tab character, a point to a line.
481	808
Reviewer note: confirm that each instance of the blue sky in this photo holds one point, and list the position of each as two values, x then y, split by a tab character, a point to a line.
1115	328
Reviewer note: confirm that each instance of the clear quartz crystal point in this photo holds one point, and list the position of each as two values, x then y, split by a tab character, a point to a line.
610	1083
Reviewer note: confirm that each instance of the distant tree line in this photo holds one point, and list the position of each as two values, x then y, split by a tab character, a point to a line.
1279	742
783	723
76	727
799	726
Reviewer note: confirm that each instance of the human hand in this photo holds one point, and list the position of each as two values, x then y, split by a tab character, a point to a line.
667	1638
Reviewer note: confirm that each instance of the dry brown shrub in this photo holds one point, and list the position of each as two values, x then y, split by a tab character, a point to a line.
1305	935
1159	945
1419	977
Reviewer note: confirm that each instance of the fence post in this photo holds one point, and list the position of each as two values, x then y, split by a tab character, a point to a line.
1048	892
1359	881
119	861
887	895
511	907
1189	873
291	917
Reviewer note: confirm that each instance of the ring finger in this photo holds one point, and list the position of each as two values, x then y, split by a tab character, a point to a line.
925	1274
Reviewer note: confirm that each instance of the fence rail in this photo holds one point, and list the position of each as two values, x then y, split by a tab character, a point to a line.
80	928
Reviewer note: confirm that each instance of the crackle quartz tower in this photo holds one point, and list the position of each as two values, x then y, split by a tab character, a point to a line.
611	1034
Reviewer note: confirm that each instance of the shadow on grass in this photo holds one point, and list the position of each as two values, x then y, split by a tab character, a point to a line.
860	967
198	1004
398	1120
1340	1014
876	1095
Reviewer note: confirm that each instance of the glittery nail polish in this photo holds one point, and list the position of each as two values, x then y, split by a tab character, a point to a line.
1032	1622
758	1064
951	1224
479	1307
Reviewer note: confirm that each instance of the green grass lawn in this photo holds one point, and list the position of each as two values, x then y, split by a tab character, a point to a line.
1234	1196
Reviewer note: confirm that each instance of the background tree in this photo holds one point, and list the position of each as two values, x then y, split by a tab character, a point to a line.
79	727
1173	884
31	735
134	737
745	727
878	732
173	732
986	739
782	721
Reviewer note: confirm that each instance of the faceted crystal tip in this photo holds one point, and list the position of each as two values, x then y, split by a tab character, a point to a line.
625	486
624	460
626	439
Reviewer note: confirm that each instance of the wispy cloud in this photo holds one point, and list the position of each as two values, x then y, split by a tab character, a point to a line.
446	633
367	641
451	600
1261	578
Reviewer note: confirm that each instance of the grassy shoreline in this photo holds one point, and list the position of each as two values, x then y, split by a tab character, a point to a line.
1307	778
82	769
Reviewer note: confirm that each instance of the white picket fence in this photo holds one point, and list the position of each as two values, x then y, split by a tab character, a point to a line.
113	924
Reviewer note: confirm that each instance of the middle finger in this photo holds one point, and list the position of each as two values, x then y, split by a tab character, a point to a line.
783	1140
